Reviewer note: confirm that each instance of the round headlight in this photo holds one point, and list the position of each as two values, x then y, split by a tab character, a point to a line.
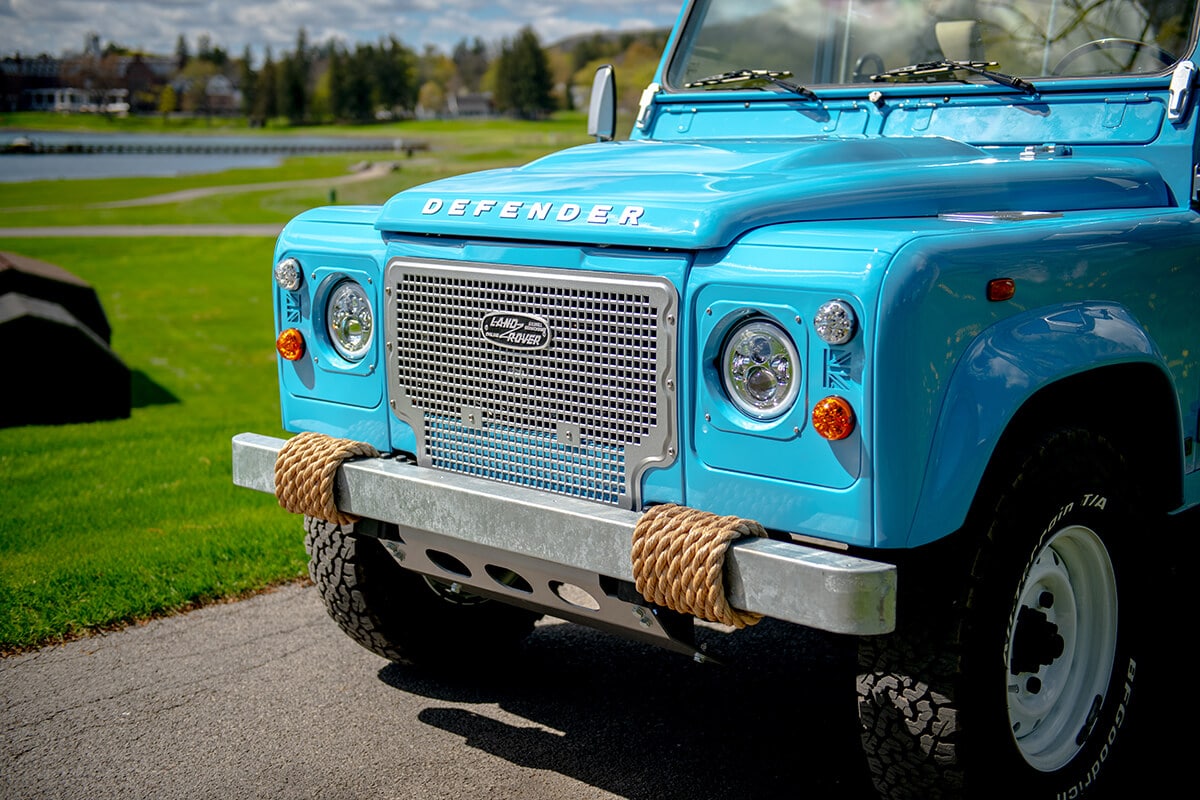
835	322
761	369
288	274
349	319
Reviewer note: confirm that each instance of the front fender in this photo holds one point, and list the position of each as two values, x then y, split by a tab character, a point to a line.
1005	366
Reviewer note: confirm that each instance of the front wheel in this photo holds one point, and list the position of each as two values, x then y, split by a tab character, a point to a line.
1030	682
401	615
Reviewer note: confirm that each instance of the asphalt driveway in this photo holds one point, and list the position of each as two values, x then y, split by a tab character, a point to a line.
266	698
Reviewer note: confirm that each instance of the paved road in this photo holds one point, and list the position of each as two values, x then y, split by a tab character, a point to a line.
267	699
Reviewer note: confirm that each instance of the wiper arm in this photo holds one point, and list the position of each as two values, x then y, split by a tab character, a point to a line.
772	76
931	69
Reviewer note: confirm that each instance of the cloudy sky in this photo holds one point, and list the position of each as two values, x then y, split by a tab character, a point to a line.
57	26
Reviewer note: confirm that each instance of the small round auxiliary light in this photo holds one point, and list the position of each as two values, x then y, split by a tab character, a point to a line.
835	322
288	274
833	418
290	344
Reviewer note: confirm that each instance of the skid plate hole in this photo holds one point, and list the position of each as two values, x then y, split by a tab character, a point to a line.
448	563
506	577
572	595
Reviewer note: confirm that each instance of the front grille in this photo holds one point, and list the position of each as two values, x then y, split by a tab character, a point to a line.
581	411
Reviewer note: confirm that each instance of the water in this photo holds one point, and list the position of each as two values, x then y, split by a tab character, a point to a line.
21	168
16	168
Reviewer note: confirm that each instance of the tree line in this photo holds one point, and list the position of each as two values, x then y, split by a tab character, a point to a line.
382	80
365	82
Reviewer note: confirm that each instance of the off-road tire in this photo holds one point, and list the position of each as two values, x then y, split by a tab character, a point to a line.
396	613
939	699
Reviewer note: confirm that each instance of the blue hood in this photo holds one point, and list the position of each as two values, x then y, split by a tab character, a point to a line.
695	195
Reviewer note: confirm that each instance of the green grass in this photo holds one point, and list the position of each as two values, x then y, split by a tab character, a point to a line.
115	521
112	522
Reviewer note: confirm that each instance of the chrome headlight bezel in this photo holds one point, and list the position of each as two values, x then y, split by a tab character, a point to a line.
349	319
760	367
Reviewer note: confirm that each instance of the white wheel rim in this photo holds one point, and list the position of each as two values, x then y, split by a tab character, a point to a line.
1068	594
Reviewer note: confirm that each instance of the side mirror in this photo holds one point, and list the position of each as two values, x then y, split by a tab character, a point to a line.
602	112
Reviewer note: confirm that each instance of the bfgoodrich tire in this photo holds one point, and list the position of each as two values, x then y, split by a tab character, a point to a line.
1026	681
398	614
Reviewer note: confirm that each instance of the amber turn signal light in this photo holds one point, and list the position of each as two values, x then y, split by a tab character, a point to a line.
833	418
1001	289
290	344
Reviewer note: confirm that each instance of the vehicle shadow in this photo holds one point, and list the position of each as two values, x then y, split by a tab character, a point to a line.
775	718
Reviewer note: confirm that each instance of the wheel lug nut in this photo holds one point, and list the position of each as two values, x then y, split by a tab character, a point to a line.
1046	599
1033	685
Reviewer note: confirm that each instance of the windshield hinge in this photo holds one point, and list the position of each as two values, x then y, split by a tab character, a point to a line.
1181	90
644	104
1048	150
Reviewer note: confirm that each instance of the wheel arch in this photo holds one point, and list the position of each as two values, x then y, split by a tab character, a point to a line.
1005	395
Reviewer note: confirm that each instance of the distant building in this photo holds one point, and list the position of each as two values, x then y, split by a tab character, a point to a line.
470	105
222	96
61	99
18	76
69	85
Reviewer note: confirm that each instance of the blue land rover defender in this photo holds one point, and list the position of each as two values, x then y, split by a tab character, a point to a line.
882	321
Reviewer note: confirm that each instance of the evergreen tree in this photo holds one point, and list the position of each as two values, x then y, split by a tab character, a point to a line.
182	57
359	92
337	82
266	90
293	96
395	75
248	83
523	79
472	62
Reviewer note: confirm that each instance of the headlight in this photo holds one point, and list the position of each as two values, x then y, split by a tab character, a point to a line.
835	322
349	319
760	369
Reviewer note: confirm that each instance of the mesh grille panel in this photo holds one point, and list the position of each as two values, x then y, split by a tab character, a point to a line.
559	418
536	461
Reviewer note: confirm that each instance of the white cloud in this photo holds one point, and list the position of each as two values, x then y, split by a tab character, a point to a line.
58	26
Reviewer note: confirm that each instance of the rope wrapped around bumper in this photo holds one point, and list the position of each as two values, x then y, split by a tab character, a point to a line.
305	470
679	561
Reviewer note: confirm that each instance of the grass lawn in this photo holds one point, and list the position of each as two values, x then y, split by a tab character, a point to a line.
112	522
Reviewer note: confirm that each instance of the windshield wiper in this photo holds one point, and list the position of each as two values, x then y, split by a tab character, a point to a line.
772	76
932	69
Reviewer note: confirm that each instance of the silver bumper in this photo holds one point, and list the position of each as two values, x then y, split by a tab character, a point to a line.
817	588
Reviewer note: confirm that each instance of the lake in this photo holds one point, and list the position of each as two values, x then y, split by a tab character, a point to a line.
224	152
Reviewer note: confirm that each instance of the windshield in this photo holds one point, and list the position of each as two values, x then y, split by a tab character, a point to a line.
830	42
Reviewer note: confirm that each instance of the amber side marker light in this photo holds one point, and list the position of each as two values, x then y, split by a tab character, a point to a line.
833	418
290	344
1001	289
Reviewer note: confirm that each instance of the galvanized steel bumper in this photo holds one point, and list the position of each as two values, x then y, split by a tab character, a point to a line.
805	585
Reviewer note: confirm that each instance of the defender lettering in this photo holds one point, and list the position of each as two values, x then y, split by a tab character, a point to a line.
597	214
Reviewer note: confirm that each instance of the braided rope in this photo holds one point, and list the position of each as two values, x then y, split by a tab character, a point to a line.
679	561
304	473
